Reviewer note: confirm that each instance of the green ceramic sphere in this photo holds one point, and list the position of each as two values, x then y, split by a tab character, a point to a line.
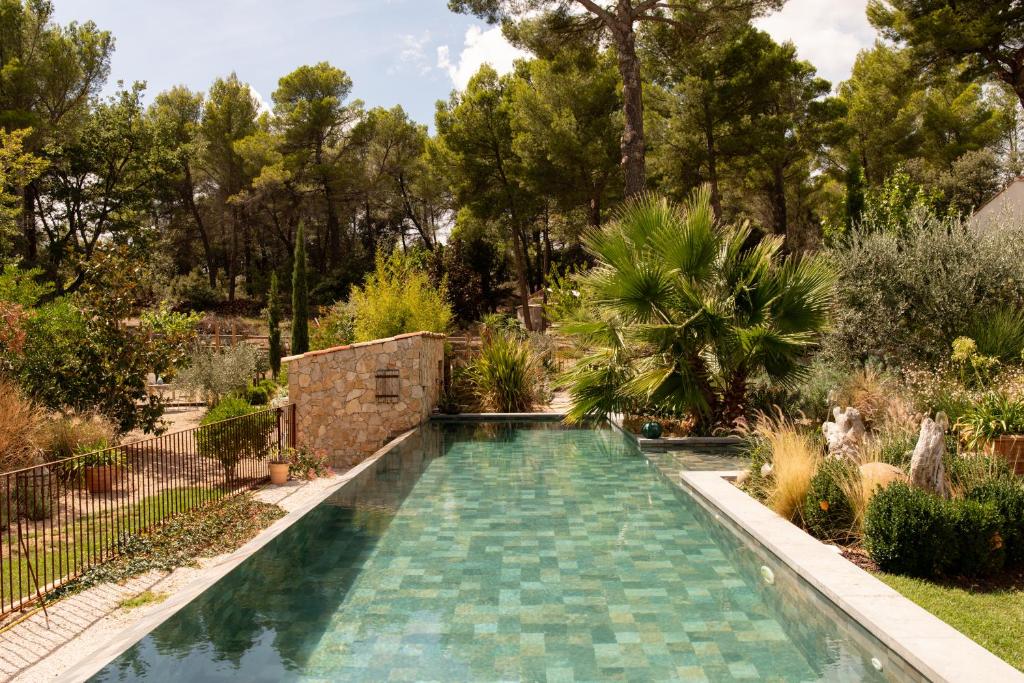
651	430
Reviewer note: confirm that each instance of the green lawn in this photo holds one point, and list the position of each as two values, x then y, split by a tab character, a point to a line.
993	619
54	561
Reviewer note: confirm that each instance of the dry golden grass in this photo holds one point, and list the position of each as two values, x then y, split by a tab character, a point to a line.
63	433
794	459
20	419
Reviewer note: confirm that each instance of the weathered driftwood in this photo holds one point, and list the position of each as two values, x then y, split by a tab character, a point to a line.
845	435
927	470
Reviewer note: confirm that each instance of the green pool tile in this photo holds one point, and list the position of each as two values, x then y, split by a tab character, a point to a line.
498	553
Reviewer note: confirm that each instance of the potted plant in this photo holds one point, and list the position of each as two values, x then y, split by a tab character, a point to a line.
995	424
98	464
280	466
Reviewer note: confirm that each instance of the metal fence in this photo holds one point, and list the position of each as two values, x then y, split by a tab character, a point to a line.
60	519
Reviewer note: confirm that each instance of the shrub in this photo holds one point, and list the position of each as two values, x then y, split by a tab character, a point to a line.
230	442
1007	495
904	298
978	547
828	512
64	434
336	328
906	531
20	423
79	355
193	292
506	377
398	298
261	394
218	372
966	472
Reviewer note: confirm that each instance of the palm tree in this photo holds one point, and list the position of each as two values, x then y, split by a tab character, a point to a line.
682	313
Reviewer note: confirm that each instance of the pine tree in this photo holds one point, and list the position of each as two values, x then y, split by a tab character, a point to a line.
300	297
274	325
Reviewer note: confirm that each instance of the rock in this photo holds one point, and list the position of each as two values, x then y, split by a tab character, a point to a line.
766	470
742	478
878	475
926	468
845	435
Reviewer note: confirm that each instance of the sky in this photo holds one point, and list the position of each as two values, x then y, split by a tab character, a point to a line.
408	52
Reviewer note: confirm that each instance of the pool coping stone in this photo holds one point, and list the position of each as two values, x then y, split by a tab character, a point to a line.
90	666
933	647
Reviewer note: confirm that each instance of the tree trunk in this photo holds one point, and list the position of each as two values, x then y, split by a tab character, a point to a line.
712	152
28	223
524	289
780	216
595	212
188	192
634	165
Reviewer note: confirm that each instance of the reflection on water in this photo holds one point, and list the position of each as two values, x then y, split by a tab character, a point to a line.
500	551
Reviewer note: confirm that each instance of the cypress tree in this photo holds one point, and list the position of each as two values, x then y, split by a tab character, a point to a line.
274	325
300	297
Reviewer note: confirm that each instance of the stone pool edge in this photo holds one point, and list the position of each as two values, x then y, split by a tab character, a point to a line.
95	662
933	647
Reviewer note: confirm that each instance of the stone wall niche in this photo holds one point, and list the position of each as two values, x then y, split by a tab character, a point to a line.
350	400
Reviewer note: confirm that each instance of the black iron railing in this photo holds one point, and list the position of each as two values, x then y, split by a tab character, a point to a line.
60	519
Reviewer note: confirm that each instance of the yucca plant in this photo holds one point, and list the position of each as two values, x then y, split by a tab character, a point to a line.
506	377
682	312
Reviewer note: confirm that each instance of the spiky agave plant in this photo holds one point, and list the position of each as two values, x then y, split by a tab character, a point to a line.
682	312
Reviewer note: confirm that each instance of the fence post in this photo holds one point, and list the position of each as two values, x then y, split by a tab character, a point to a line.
280	443
291	426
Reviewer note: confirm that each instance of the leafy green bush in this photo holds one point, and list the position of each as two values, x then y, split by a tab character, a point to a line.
976	529
1007	495
827	512
506	377
904	297
398	298
228	439
965	472
906	531
218	372
79	355
335	328
193	292
261	394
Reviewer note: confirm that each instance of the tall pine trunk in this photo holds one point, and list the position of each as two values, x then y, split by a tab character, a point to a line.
634	165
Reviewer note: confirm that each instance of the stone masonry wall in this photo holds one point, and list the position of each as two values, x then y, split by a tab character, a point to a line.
334	391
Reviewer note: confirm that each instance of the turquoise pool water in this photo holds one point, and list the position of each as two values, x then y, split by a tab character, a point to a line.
505	552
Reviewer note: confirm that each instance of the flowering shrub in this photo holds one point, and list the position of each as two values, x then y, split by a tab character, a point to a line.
307	464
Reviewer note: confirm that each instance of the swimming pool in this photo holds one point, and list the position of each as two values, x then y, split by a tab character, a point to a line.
509	551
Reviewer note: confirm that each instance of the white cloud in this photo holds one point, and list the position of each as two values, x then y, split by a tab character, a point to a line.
480	47
412	54
263	105
827	33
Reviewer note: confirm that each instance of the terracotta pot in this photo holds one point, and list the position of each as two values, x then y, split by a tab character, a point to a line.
101	478
1011	448
278	473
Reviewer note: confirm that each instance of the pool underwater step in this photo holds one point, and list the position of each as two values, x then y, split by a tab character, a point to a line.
937	650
